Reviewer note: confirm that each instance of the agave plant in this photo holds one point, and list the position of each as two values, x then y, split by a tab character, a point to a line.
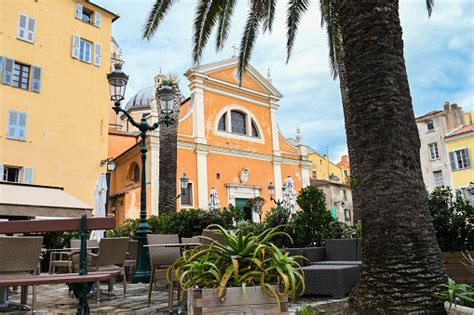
455	293
246	260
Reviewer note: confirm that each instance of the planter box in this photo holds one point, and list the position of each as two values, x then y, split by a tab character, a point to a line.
455	269
458	309
206	302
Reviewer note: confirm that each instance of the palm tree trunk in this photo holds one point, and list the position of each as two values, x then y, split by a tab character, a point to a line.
401	258
168	160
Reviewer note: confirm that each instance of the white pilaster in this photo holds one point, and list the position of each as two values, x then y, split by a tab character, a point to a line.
202	178
277	179
305	175
197	91
275	135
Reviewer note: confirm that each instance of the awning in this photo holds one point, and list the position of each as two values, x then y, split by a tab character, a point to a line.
32	201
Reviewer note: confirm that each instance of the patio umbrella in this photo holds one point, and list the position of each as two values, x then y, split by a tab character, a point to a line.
214	200
289	195
100	196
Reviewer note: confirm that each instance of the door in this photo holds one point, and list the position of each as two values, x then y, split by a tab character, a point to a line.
241	203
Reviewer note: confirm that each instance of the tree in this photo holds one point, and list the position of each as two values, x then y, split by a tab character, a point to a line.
401	258
168	154
256	205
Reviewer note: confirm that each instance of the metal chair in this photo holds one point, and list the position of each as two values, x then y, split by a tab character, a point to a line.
160	259
59	260
20	256
110	257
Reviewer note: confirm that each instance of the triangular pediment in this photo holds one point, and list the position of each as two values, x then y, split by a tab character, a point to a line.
226	72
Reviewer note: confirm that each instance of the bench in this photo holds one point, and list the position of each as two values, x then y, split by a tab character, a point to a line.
34	280
80	283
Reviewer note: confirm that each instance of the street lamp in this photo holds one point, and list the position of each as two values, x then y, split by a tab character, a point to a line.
118	82
271	192
184	185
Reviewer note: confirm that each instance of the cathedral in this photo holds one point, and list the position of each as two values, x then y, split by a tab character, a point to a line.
229	144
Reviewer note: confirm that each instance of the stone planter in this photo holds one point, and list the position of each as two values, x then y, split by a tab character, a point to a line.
458	309
455	269
205	301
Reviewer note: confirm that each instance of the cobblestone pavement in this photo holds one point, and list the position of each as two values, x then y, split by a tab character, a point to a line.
54	299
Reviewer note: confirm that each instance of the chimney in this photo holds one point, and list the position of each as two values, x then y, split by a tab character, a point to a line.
446	106
269	76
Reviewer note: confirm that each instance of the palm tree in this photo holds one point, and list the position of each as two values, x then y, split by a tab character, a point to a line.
401	258
168	155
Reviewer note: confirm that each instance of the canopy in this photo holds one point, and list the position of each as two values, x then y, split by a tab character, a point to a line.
33	200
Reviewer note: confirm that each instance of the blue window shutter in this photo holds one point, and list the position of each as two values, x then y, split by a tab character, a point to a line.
27	175
7	77
13	117
1	172
22	123
452	159
468	159
1	66
35	79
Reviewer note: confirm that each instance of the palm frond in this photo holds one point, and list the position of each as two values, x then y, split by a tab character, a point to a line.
429	6
295	10
330	20
249	37
207	13
158	11
224	23
269	17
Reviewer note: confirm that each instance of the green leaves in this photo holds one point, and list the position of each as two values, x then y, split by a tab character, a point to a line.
296	8
455	293
246	260
155	17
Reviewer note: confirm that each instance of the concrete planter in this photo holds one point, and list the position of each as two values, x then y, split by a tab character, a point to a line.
455	269
458	309
205	301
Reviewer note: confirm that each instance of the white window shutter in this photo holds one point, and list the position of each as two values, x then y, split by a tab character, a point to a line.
452	159
12	124
97	19
35	79
27	175
30	33
79	11
22	125
1	172
468	159
76	43
97	54
7	77
22	22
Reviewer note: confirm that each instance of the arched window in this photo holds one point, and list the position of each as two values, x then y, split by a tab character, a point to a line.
134	173
254	130
238	122
222	123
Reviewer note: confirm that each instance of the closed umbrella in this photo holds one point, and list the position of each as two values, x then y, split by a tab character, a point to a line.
100	197
289	195
214	200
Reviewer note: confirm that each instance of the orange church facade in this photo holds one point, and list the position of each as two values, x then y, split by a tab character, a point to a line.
228	139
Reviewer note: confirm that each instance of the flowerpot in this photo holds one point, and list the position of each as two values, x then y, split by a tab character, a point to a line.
455	269
255	301
458	309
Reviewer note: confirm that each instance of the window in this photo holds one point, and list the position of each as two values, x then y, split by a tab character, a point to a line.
430	125
26	28
347	214
21	76
314	174
438	178
344	194
17	74
11	174
222	123
434	154
136	173
345	173
16	125
85	49
187	195
238	122
87	15
459	159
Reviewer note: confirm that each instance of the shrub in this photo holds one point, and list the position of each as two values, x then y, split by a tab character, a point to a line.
338	230
311	224
453	220
280	216
455	293
248	227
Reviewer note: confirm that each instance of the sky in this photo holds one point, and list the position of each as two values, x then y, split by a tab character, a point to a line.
439	55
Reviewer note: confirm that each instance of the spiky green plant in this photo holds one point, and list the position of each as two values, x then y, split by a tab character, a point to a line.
455	293
246	260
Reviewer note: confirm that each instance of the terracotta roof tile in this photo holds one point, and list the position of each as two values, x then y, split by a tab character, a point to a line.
459	131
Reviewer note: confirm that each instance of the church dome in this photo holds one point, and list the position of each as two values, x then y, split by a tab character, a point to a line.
141	100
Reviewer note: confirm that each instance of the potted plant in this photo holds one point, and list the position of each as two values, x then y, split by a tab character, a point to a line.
458	298
247	274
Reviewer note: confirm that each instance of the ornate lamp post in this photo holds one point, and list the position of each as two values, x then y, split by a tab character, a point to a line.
184	185
271	192
117	82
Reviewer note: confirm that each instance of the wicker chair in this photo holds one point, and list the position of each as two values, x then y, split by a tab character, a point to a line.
20	256
74	254
216	235
160	259
131	258
188	240
111	257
